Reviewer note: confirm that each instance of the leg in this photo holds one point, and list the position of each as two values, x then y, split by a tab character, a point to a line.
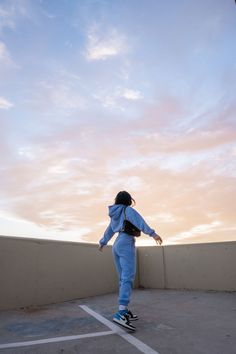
128	268
117	264
124	258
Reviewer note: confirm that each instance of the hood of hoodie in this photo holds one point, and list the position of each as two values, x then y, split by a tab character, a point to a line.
116	213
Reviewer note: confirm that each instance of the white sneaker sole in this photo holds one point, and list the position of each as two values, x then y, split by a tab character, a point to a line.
124	325
133	319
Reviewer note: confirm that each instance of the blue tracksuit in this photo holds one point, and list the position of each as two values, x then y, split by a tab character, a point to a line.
123	250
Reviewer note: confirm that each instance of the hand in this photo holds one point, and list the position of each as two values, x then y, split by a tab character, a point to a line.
100	248
158	239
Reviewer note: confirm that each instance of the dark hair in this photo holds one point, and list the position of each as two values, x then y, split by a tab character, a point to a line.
125	198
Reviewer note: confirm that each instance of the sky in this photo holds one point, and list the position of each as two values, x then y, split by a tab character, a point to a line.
99	96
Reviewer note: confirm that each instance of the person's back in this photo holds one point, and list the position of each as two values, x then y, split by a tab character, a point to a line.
124	251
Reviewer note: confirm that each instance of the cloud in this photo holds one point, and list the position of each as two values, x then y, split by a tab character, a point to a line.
194	197
5	149
215	231
7	15
5	58
116	97
57	96
5	104
82	133
104	43
58	179
131	94
65	182
163	217
168	127
162	114
14	226
201	229
12	11
107	98
185	143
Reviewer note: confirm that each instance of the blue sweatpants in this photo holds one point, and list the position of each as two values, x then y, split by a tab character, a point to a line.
124	254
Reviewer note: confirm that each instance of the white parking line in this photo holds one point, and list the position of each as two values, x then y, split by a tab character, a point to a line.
132	340
54	340
114	330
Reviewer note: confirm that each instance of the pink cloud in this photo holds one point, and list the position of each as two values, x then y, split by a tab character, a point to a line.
65	181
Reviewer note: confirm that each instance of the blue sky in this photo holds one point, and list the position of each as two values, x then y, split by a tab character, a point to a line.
101	96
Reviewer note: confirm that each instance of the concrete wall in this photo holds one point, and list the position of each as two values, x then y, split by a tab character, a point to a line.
35	272
151	267
208	266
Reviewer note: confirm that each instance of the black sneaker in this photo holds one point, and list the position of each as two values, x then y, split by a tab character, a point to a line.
123	320
131	316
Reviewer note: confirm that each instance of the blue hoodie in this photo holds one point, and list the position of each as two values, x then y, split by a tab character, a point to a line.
116	213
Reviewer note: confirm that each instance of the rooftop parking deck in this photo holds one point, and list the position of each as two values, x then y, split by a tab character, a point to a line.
171	322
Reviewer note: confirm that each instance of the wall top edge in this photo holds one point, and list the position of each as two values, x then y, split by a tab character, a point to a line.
193	244
45	240
95	244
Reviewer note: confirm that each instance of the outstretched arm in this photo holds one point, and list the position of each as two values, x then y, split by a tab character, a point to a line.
106	237
135	218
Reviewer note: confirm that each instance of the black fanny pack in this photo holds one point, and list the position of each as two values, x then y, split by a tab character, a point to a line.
129	228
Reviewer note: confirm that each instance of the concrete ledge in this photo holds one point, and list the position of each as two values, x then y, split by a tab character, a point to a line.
151	267
38	272
208	266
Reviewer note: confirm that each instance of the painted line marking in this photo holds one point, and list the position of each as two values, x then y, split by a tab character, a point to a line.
122	333
54	340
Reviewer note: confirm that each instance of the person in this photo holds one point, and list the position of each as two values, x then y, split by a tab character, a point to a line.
124	252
